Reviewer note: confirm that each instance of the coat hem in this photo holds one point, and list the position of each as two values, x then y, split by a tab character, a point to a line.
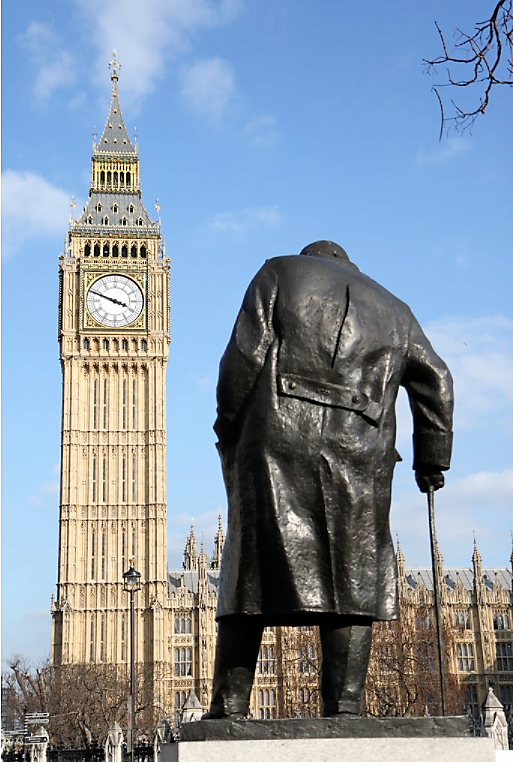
307	616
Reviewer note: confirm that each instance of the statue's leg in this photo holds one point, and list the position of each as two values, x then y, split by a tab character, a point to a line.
345	658
238	641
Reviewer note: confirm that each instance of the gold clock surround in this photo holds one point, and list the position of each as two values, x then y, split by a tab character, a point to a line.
90	276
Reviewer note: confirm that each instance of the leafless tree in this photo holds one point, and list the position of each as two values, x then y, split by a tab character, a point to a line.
403	677
24	689
83	700
298	671
477	60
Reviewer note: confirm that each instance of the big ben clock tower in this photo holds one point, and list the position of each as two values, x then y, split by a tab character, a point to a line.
114	338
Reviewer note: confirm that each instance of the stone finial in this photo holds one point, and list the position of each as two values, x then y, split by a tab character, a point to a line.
114	65
495	725
192	709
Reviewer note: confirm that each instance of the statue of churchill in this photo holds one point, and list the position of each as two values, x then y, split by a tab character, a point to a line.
306	426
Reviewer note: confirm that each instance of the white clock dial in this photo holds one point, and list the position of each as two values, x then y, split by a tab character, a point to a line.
114	300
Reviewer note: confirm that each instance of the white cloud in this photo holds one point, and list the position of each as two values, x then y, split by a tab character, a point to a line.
31	208
53	63
245	220
147	34
479	503
479	352
47	493
454	250
263	131
41	614
446	151
208	87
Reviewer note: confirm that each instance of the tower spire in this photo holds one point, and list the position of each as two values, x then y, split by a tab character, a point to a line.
114	139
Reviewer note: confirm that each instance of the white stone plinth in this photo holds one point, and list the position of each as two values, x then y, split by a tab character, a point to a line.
335	749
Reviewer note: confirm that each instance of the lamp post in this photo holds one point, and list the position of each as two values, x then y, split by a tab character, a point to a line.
131	584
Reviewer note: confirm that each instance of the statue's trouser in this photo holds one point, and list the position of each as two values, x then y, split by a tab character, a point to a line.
345	658
345	642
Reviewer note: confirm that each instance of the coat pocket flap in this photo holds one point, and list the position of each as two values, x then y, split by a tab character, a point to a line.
325	393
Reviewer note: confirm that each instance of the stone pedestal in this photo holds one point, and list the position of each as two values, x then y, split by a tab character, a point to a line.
440	739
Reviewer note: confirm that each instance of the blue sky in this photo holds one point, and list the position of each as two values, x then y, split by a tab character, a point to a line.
262	126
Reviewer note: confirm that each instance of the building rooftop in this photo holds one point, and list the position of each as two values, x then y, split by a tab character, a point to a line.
466	576
189	580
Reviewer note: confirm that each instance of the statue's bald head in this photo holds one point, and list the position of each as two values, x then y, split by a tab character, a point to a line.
326	249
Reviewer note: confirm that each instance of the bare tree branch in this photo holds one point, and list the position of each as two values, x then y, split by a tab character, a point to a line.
479	61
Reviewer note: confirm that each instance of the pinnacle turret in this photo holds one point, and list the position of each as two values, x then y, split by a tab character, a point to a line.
218	545
511	556
190	554
478	573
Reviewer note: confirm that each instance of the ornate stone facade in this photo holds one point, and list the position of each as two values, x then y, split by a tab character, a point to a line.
477	611
114	335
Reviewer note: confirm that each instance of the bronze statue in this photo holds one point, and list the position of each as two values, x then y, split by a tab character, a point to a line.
306	426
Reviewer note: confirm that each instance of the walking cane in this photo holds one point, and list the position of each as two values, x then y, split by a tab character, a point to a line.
436	590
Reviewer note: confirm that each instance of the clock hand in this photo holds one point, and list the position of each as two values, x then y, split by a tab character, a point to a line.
115	301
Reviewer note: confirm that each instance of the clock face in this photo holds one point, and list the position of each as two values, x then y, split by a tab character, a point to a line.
114	300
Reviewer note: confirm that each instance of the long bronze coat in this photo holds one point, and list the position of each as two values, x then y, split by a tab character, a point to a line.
306	427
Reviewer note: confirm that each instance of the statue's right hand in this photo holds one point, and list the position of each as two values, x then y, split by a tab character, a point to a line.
426	479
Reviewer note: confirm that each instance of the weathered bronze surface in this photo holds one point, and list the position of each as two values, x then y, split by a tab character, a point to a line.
332	727
306	426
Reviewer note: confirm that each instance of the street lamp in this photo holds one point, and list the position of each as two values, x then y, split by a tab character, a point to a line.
131	584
